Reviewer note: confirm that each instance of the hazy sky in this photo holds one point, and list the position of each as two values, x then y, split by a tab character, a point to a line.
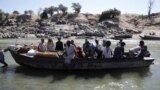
88	6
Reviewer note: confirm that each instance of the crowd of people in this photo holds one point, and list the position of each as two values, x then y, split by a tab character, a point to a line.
89	50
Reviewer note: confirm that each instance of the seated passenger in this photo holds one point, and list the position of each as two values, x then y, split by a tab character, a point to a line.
144	53
107	52
98	49
79	52
136	50
50	45
119	51
70	51
42	46
59	45
87	49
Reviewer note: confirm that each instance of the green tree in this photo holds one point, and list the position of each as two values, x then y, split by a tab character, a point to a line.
6	15
2	17
25	12
15	12
150	6
56	9
30	12
44	14
51	10
62	8
76	7
111	13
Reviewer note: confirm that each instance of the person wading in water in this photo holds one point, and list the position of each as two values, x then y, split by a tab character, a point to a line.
2	60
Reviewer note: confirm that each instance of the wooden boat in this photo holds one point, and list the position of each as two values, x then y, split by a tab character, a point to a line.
123	35
50	63
150	37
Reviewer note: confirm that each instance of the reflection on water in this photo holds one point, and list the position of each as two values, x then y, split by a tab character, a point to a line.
16	77
92	79
86	74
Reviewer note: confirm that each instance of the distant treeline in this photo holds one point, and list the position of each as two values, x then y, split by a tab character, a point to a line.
61	10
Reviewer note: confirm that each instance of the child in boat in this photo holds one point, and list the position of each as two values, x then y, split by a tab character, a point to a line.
42	46
50	45
70	51
119	51
107	52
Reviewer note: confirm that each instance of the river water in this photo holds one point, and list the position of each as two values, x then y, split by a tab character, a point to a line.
15	77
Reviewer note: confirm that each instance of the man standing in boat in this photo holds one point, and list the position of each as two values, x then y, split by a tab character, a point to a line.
59	45
70	51
42	46
119	51
2	59
119	43
135	51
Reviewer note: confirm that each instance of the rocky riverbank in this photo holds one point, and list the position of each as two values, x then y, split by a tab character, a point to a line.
82	25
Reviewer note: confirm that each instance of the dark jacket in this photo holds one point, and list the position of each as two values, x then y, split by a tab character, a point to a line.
118	52
59	46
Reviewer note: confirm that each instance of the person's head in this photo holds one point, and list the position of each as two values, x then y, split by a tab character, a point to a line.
64	44
49	40
59	39
108	43
104	43
72	41
96	41
120	40
123	44
86	40
145	48
42	40
68	43
141	43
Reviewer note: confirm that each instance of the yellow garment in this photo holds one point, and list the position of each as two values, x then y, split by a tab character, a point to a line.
48	54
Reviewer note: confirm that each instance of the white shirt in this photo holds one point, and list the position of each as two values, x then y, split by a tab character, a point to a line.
14	47
135	50
99	47
70	50
119	44
107	52
42	47
70	53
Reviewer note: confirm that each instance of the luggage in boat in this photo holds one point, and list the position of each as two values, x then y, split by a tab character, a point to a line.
47	54
23	50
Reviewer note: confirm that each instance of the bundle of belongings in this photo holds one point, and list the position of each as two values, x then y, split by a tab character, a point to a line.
35	53
31	52
47	54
